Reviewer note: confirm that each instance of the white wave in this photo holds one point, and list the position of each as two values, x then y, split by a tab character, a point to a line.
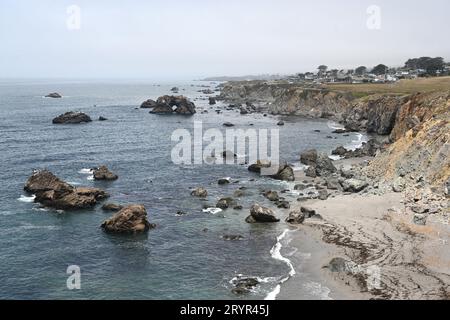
334	125
26	199
90	178
212	210
335	157
85	171
74	183
356	144
298	166
275	252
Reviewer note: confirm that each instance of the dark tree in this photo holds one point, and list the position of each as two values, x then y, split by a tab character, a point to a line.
431	65
360	70
380	69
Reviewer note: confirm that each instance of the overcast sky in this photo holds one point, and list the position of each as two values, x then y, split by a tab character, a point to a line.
188	39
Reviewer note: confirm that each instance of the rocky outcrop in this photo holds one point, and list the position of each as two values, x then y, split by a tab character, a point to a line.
174	104
53	95
53	192
260	164
285	173
368	149
131	219
261	214
103	173
199	192
296	217
225	203
148	104
320	164
72	117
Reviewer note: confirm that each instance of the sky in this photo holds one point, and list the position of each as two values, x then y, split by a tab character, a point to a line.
190	39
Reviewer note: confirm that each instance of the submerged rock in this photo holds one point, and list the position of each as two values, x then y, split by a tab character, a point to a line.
72	117
261	214
228	124
53	192
112	207
232	237
223	181
199	192
53	95
103	173
131	219
225	203
212	101
260	164
101	118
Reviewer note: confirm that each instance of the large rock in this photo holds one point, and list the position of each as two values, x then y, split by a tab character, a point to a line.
174	104
296	217
53	192
225	203
285	173
131	219
309	157
261	214
271	195
72	117
354	185
324	165
53	95
103	173
260	164
199	192
148	104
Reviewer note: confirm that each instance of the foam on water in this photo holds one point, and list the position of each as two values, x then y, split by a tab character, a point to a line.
275	252
357	143
85	171
23	198
212	210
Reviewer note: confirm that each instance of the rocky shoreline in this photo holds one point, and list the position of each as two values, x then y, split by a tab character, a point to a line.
408	162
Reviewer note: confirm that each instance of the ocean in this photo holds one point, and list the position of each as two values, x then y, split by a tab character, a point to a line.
184	257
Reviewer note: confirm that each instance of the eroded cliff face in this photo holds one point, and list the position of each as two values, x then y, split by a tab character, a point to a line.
417	125
420	151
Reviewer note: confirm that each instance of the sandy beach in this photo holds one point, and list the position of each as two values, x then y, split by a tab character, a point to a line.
387	256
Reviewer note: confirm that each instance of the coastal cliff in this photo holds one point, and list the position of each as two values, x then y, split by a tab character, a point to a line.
416	124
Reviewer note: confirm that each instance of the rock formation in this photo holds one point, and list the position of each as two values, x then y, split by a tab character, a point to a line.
131	219
72	117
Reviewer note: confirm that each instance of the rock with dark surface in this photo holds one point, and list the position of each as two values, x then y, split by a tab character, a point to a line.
296	217
229	154
148	104
339	131
311	172
103	173
232	237
333	183
175	89
260	164
112	207
174	104
339	151
199	192
323	194
53	95
225	203
261	214
354	185
283	204
285	173
228	124
309	213
309	157
224	181
101	118
280	123
131	219
324	165
72	117
212	101
55	193
271	195
243	285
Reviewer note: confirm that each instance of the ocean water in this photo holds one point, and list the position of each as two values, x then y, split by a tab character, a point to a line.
178	259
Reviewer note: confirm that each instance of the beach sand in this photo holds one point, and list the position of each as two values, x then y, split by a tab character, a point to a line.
389	256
